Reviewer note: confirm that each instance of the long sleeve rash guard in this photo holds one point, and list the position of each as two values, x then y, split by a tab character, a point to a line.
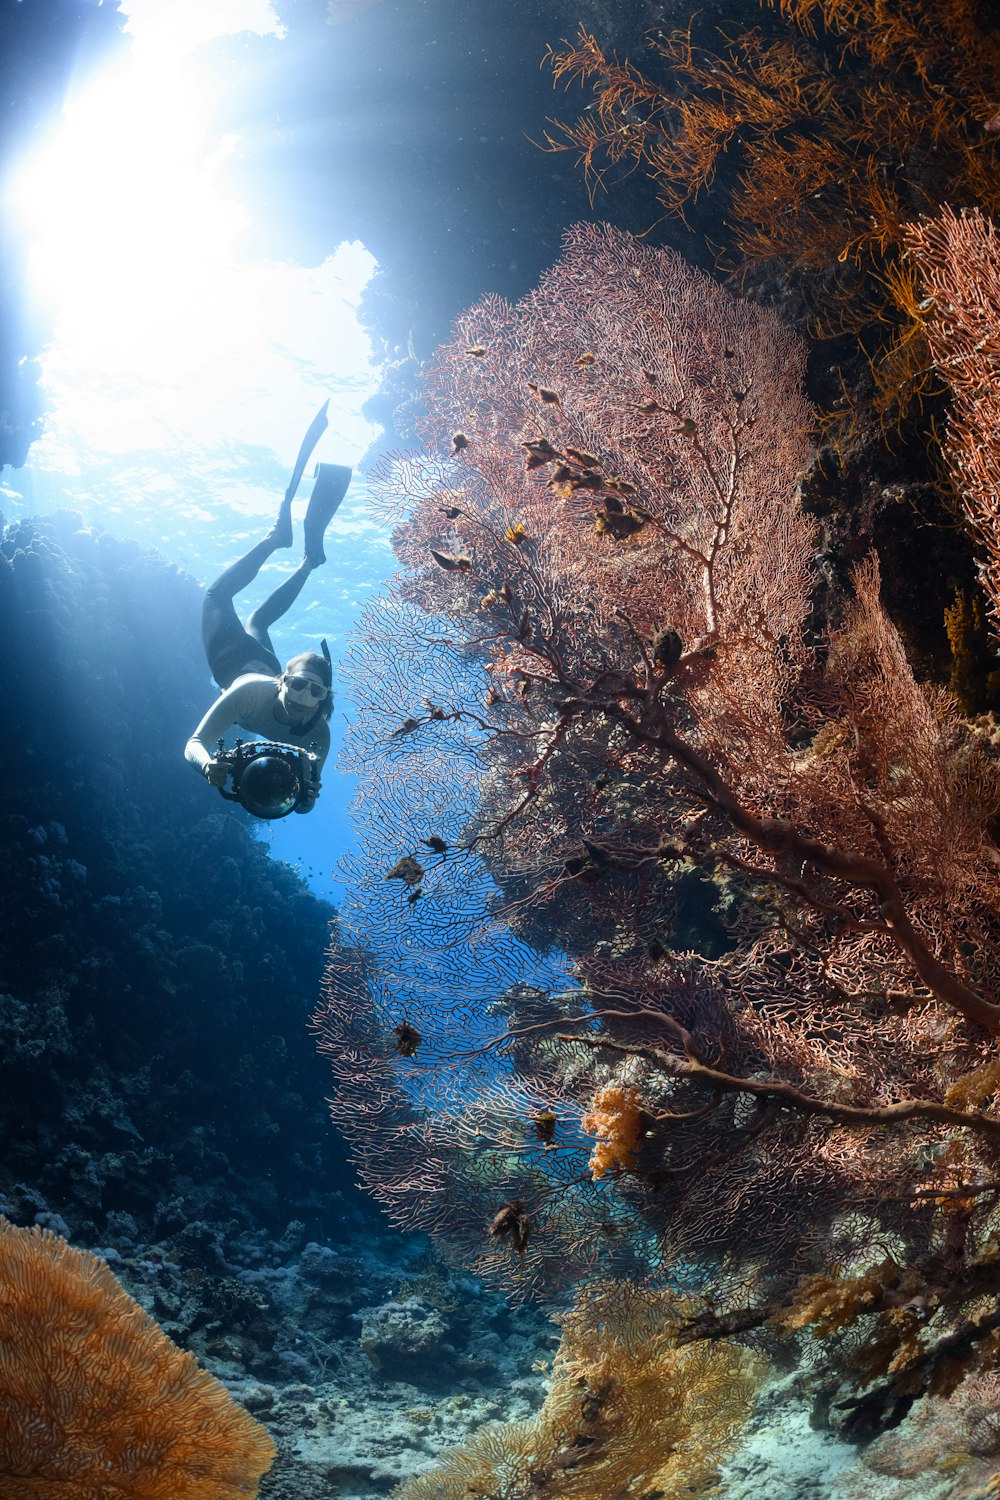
251	704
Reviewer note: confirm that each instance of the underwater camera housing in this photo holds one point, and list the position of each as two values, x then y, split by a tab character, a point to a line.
269	779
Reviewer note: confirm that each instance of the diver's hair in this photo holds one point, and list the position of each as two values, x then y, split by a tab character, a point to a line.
311	661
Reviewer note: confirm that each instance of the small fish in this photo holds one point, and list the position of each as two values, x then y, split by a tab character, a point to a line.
586	359
609	523
545	394
515	534
539	454
477	351
545	1126
590	479
458	442
450	562
452	512
490	697
436	845
621	486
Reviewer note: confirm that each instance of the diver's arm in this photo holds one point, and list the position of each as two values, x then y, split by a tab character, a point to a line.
307	801
321	751
224	713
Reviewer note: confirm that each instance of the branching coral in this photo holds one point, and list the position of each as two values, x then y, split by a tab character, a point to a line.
95	1400
958	259
914	1329
630	1411
579	715
822	141
971	654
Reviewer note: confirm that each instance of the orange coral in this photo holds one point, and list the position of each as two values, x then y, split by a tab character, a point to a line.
95	1400
617	1119
829	159
632	1410
829	1303
958	257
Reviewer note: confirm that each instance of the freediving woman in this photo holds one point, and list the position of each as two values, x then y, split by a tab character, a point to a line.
290	705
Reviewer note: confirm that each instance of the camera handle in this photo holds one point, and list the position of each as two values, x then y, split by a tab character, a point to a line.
221	753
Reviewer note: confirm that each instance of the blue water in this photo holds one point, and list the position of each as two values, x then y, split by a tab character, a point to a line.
183	366
358	558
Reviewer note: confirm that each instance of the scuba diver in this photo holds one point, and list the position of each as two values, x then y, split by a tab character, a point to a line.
289	708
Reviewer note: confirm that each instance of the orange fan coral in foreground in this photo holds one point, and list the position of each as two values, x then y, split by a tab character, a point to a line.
96	1403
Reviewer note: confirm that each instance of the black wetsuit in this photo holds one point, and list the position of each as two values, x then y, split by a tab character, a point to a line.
231	647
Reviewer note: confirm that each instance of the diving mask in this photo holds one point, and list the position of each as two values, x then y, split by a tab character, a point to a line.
304	689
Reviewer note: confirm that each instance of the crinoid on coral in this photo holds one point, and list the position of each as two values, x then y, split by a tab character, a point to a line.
822	140
96	1401
630	1411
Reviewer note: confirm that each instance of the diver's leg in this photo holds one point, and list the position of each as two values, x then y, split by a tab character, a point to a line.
223	635
241	574
277	604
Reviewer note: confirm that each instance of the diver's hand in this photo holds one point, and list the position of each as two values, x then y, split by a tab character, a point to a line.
307	799
216	772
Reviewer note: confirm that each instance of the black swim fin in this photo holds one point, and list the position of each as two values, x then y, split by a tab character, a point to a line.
328	491
317	427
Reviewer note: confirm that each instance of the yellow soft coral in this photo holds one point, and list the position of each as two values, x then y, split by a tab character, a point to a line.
827	1303
972	1090
632	1410
96	1400
616	1118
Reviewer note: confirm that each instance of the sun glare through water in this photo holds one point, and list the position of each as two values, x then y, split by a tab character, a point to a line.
131	232
163	331
182	371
